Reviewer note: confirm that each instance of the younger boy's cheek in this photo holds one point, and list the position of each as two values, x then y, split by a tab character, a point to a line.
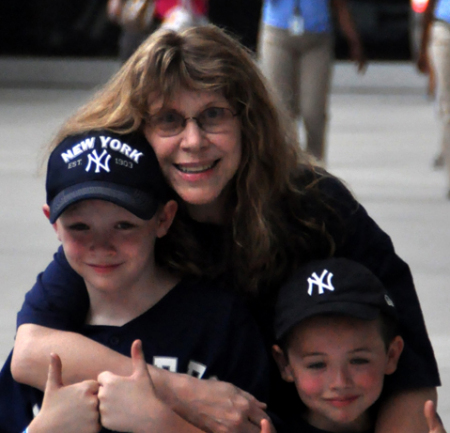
308	386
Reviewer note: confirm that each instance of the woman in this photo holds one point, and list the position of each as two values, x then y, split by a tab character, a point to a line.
250	211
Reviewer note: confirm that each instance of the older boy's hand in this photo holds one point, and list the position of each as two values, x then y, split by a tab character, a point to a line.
433	420
70	408
128	403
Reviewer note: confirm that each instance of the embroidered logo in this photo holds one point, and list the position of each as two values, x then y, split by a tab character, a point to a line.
97	160
314	279
389	301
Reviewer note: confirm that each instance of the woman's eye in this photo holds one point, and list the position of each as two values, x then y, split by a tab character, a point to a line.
213	113
169	117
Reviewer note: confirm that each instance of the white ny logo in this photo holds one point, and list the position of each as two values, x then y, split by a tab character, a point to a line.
97	160
314	279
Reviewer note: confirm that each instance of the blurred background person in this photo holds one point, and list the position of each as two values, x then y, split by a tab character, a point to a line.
434	57
133	35
296	50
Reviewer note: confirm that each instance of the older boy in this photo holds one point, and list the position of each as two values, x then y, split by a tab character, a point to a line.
109	205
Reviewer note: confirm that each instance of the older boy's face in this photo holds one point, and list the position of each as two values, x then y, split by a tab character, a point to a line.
338	366
111	248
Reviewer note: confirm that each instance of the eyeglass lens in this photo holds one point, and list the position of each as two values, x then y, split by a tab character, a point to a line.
212	119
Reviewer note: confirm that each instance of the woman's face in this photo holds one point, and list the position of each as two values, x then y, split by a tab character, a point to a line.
198	164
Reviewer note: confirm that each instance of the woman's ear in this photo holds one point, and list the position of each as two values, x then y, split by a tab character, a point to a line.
165	217
282	363
393	354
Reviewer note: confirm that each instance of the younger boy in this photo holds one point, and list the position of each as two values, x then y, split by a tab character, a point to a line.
109	205
337	339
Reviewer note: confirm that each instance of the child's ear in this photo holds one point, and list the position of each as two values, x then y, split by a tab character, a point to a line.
393	354
46	210
283	363
165	217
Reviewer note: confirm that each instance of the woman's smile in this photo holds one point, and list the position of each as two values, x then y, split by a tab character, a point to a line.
196	168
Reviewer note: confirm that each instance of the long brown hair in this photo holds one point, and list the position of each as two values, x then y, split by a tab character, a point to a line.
275	209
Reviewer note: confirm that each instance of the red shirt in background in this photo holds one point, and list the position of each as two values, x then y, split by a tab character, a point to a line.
163	6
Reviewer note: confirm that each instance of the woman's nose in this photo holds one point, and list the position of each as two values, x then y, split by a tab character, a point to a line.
193	136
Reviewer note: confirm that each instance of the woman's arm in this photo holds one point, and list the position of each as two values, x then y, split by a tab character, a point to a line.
417	375
82	357
403	412
212	406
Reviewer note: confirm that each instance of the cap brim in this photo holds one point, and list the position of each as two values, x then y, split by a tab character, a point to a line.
139	203
353	309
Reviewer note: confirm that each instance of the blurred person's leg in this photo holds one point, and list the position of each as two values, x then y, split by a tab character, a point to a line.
314	76
278	62
440	54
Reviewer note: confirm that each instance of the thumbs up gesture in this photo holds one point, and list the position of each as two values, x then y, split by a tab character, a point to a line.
70	408
433	420
127	404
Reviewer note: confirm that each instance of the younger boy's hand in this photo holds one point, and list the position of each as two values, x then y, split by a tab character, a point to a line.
433	420
267	427
70	408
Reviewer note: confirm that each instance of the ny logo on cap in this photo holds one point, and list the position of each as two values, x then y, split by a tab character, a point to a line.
97	160
314	279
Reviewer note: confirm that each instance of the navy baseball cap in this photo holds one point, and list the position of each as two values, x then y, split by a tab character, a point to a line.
335	285
122	169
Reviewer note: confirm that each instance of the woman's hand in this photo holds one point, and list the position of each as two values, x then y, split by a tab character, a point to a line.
219	407
433	420
71	408
403	412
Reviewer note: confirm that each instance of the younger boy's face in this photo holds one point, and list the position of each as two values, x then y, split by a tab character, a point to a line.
111	248
338	366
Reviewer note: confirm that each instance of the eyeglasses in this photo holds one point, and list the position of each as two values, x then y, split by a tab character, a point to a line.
168	123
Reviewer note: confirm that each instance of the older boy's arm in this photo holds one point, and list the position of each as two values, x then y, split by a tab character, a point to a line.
403	412
205	404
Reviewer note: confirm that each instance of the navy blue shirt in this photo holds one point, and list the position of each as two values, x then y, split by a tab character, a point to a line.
197	328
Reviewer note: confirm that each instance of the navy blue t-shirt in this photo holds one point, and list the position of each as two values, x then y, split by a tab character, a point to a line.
197	328
299	425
